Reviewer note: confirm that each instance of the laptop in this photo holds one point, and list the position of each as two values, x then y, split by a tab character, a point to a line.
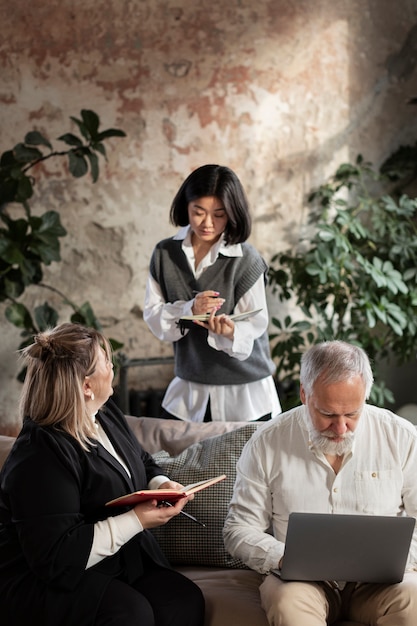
338	547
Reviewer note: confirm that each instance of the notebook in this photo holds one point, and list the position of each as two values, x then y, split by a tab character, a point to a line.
335	547
187	321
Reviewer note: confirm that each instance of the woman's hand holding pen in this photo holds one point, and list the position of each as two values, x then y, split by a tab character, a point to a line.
151	514
207	302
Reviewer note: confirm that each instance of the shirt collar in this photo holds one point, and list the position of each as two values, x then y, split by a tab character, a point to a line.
220	247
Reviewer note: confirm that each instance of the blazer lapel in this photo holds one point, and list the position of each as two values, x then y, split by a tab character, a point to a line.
124	447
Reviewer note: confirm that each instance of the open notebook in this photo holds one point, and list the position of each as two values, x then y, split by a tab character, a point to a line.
360	548
167	495
187	321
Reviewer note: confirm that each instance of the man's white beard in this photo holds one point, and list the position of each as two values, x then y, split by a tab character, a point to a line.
323	440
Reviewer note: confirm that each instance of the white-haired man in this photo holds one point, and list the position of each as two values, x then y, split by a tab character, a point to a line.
333	454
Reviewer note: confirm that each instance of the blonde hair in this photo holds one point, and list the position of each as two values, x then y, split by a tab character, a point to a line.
57	363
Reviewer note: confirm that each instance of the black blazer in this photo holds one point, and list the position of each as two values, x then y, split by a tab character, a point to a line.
51	494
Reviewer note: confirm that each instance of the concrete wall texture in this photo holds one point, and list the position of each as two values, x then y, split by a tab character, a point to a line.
281	91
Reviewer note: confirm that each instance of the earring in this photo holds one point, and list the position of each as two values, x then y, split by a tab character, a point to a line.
92	396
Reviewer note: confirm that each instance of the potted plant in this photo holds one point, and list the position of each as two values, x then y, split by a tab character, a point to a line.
352	275
30	242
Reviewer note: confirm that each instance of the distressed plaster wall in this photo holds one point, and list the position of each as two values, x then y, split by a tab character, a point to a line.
282	91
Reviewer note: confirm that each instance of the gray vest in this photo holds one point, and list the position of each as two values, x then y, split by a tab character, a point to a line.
195	360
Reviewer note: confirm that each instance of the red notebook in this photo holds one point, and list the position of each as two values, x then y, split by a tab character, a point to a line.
168	495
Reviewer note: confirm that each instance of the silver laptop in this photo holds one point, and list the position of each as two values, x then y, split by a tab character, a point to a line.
360	548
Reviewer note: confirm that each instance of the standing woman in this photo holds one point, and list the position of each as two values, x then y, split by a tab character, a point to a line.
65	558
223	369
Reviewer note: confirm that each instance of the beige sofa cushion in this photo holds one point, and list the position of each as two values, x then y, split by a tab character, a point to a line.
158	434
231	595
182	540
174	436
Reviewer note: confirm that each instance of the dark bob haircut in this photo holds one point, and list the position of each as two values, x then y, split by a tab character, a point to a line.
222	183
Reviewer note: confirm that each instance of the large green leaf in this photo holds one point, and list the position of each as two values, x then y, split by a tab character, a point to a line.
100	148
49	222
82	128
85	315
8	188
110	132
94	165
45	316
91	121
31	270
26	154
7	160
46	231
24	189
77	164
35	138
19	315
11	284
71	140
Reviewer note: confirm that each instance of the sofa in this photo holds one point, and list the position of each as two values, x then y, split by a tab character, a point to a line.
188	453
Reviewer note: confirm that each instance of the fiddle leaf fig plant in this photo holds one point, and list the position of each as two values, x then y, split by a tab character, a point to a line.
30	242
352	275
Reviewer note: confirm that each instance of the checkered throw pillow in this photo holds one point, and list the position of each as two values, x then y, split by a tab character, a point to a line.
183	541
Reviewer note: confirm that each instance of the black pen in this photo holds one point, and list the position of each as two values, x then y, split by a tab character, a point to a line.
165	503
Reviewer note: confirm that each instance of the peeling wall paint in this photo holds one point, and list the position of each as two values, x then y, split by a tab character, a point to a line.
282	91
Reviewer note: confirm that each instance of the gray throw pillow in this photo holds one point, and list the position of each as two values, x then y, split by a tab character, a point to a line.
183	541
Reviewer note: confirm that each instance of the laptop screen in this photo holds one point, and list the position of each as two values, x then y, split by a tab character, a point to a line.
359	548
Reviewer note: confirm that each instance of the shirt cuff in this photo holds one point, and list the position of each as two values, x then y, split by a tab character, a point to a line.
156	481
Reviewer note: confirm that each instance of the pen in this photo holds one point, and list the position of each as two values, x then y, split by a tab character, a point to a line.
165	503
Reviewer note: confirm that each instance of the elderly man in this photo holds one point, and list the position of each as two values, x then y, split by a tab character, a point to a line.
332	454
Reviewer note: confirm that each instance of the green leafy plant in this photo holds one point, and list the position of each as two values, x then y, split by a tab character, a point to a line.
353	274
30	242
